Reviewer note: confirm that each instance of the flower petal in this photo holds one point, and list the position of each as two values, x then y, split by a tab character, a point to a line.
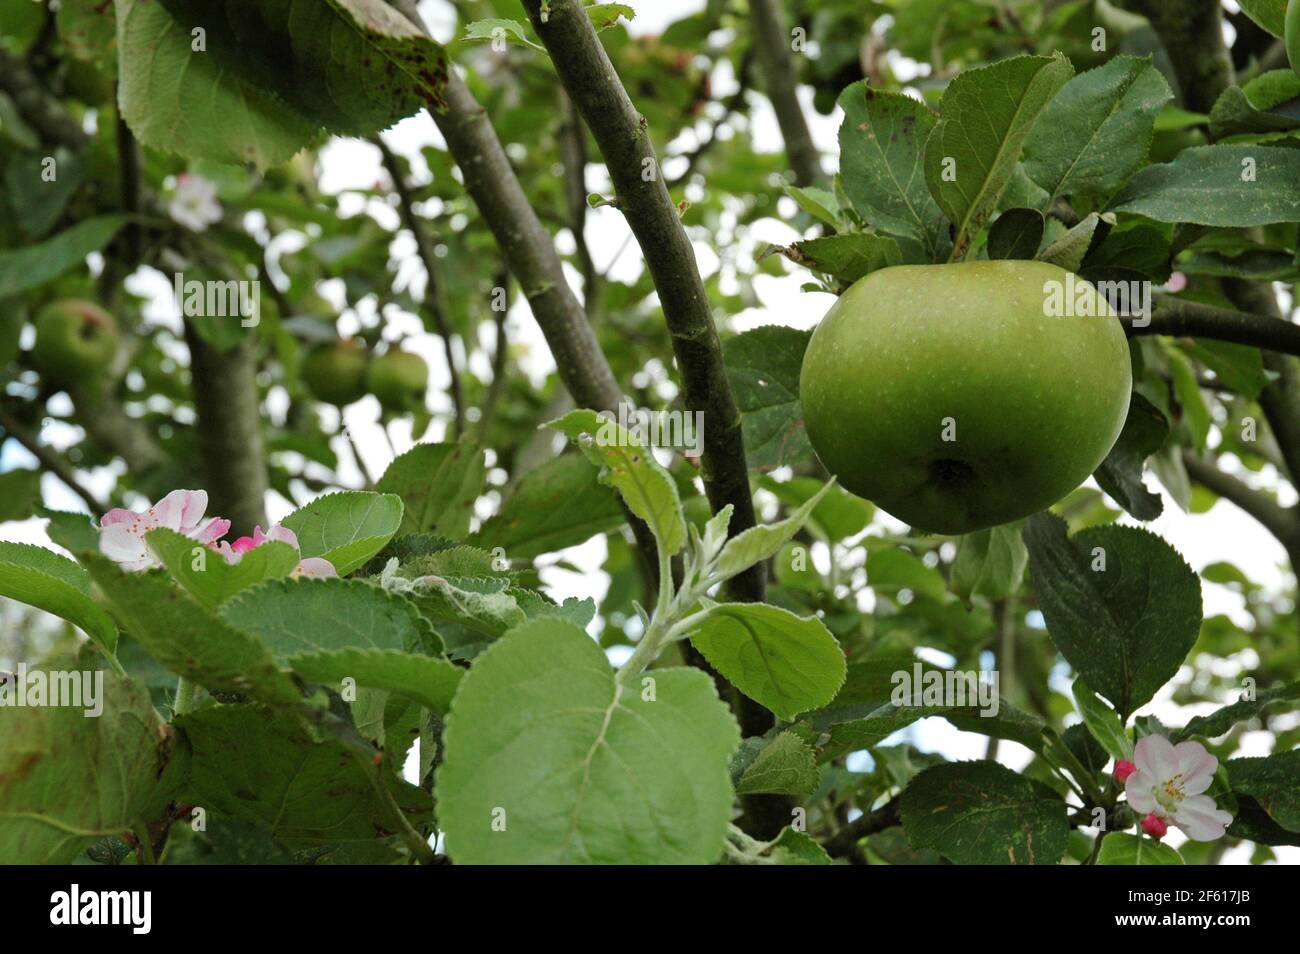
1200	819
1139	789
1196	765
314	567
1154	756
117	515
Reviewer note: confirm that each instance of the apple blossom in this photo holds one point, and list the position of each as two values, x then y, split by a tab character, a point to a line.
194	204
1123	769
308	566
1168	788
122	532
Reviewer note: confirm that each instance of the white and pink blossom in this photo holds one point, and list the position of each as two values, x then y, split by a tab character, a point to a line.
1168	788
122	532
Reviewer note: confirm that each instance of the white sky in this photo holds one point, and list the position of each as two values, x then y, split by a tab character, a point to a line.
1222	534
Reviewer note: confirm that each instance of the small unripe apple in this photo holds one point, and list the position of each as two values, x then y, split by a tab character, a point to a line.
75	340
335	372
954	398
399	379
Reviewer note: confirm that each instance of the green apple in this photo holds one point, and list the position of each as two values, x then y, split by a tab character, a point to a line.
75	340
1292	34
335	372
399	379
956	398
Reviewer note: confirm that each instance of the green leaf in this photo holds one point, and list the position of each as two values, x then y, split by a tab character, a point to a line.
1125	848
162	78
1120	474
328	630
31	266
980	813
1221	721
72	531
1273	782
1253	108
986	116
20	493
181	635
1196	414
560	504
511	31
989	563
882	142
44	579
1095	134
346	528
1269	14
1070	249
1016	234
354	67
484	605
206	574
797	848
1228	185
838	516
1133	250
43	202
605	15
781	661
763	368
820	204
438	484
549	761
761	543
631	469
892	568
1106	727
787	764
249	764
67	780
846	257
1120	604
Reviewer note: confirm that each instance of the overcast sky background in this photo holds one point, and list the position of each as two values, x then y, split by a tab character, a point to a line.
1222	534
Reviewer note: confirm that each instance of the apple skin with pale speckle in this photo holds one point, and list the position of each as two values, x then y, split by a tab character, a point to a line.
913	354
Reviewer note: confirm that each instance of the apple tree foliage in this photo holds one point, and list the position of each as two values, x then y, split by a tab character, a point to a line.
1083	133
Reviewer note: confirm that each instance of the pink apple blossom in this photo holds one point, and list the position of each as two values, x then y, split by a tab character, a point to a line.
122	532
233	551
1169	786
1123	769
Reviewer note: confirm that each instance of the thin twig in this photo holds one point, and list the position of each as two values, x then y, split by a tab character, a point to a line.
432	300
51	461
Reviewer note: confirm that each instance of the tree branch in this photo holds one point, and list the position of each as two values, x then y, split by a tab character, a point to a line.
51	461
772	45
1192	34
527	247
1276	519
594	87
1189	319
229	429
432	301
38	107
845	841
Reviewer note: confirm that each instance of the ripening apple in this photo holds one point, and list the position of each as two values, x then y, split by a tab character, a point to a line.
335	372
399	379
955	398
75	340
